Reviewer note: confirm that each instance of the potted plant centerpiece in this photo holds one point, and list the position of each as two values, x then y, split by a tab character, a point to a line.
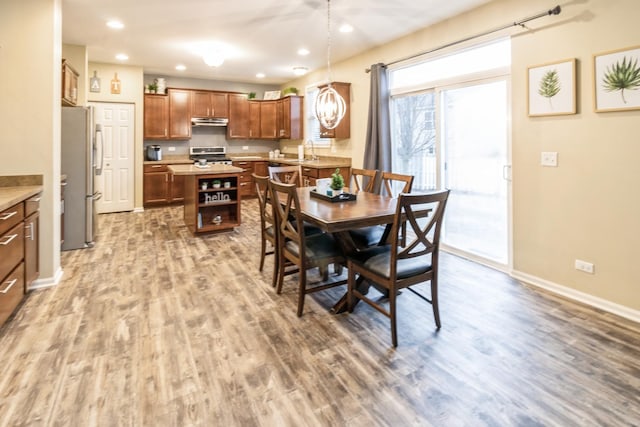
337	182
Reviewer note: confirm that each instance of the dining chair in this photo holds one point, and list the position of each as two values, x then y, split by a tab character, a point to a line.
268	228
396	267
305	251
287	174
372	236
364	180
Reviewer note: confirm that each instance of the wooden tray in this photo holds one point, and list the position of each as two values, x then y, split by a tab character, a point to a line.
343	197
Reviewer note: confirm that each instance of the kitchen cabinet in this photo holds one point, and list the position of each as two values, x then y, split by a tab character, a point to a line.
206	104
69	84
238	127
208	209
262	119
310	175
179	114
168	116
260	169
31	240
343	130
161	187
11	259
156	116
246	183
290	117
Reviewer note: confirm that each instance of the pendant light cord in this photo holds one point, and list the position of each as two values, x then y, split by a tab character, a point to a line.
329	42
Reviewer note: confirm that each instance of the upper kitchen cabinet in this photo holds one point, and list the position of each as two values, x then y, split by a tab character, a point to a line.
289	117
179	114
206	104
238	127
168	116
156	117
69	84
343	130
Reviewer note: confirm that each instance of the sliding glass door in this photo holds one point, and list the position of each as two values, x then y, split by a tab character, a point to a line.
474	140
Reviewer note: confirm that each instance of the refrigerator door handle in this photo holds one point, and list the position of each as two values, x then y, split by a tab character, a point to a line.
99	149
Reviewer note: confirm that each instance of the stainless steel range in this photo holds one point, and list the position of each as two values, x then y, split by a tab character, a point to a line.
214	155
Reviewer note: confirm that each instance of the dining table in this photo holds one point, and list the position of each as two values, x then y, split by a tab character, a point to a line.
338	218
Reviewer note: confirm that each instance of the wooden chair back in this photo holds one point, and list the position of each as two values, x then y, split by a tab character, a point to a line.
390	181
286	174
364	180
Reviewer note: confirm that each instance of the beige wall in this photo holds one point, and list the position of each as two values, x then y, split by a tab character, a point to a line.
132	91
587	208
30	54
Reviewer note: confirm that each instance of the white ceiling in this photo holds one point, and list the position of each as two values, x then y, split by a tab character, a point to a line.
264	35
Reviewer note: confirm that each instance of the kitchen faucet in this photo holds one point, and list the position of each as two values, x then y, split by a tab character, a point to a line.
313	153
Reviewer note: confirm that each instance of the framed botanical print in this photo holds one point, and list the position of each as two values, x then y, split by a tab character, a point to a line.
616	78
552	88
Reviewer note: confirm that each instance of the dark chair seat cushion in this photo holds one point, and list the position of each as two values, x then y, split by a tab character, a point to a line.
367	236
378	260
317	246
270	231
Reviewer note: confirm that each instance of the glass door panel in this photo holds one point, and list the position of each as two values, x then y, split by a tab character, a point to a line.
474	126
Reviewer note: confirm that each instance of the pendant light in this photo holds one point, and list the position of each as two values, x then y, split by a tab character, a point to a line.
330	106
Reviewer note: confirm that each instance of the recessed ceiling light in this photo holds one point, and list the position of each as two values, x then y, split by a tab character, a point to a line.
180	67
260	75
346	28
300	71
122	57
303	51
115	24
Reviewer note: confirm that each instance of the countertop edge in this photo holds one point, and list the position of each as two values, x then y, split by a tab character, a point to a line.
10	196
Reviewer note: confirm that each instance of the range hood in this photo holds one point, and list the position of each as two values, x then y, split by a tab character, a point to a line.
195	121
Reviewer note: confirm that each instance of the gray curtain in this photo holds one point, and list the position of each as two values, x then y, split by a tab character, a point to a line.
377	152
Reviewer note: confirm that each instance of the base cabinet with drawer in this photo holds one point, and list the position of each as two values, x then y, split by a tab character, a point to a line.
161	187
31	240
245	180
310	175
11	259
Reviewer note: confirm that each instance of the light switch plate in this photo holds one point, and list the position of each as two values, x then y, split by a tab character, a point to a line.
549	158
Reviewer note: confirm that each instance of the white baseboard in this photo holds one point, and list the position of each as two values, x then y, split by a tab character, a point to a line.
602	304
138	210
47	282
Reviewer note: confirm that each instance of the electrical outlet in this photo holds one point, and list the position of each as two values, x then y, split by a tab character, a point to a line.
585	266
245	147
549	158
172	148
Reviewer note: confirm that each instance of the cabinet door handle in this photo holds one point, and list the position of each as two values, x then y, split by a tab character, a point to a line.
9	286
37	199
8	239
157	166
30	228
8	215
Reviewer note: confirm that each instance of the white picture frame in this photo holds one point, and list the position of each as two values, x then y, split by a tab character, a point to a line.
271	94
552	88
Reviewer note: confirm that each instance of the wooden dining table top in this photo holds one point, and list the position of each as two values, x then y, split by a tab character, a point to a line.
368	209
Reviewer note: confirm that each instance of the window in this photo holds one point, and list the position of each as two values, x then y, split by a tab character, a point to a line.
312	128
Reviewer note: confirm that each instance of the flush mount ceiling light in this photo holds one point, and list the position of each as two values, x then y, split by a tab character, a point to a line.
330	106
180	67
115	24
213	59
346	28
303	52
122	57
300	71
260	75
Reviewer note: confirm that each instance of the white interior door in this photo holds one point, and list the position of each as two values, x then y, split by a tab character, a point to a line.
116	182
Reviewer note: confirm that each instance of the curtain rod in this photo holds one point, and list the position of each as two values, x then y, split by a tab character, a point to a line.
555	11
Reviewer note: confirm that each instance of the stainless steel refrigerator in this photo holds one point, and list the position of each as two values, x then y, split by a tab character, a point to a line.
81	161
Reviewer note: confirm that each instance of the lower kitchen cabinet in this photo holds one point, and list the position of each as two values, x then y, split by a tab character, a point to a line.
245	180
161	187
31	241
11	259
310	175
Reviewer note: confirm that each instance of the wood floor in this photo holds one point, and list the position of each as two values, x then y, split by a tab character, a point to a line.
154	327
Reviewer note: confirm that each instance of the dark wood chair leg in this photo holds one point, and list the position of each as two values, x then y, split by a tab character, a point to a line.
263	253
301	290
434	301
392	315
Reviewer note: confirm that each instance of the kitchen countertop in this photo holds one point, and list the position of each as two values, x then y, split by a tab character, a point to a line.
211	170
328	162
9	196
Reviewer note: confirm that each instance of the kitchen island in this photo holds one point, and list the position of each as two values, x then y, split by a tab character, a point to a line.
211	197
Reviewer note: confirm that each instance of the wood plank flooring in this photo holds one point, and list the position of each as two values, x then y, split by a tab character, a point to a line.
155	327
